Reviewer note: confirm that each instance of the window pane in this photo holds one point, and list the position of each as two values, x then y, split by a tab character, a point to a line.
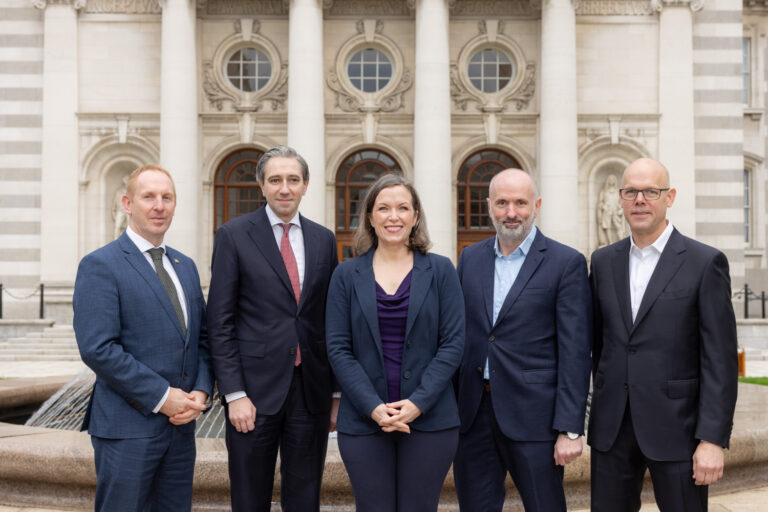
490	70
373	66
385	70
248	69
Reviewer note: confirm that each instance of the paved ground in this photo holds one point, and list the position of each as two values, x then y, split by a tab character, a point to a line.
746	501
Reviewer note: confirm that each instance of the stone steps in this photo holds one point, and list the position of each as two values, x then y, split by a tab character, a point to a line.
55	343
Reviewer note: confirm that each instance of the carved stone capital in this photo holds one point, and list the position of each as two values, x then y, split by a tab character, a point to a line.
76	4
694	5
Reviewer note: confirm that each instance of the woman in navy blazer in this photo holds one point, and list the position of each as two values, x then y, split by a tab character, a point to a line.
395	337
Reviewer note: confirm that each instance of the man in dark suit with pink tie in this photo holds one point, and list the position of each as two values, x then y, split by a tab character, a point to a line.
270	275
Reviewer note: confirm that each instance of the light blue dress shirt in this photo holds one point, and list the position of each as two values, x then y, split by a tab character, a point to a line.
504	274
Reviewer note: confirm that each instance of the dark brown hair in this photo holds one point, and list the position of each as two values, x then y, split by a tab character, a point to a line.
365	236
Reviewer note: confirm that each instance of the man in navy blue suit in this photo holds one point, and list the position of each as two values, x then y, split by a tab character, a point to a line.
266	320
524	378
140	326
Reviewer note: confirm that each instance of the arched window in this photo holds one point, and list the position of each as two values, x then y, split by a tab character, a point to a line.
355	175
236	189
472	191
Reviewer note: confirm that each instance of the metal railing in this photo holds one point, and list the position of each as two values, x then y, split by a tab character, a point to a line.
40	289
750	296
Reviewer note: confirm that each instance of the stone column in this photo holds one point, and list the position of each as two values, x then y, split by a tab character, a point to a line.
558	143
59	190
676	130
432	124
306	113
179	120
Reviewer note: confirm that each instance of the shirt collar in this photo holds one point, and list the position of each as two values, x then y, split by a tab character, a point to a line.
275	220
142	243
523	248
659	244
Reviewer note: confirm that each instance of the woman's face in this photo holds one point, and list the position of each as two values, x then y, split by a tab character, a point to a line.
393	216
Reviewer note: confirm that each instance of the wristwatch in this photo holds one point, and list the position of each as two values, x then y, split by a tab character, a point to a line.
571	435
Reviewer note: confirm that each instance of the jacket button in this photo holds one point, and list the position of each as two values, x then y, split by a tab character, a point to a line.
491	338
185	376
479	370
626	386
407	374
292	351
632	350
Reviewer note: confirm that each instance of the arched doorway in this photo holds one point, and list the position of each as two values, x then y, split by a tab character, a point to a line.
236	189
358	171
472	191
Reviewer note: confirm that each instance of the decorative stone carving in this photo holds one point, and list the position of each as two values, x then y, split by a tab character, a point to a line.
245	7
369	7
42	4
461	94
216	94
614	8
119	217
695	5
350	101
610	217
123	6
494	8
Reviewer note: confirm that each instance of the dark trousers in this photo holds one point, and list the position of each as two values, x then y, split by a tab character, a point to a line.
149	474
398	472
617	478
484	457
302	439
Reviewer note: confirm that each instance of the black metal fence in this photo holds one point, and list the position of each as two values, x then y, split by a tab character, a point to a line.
749	295
40	289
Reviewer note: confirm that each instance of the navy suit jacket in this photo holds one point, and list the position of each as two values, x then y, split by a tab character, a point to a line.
676	364
129	335
538	348
254	323
434	340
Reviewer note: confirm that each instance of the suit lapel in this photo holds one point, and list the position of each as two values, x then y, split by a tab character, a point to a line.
365	291
264	238
420	281
620	264
310	256
532	261
669	263
486	271
139	262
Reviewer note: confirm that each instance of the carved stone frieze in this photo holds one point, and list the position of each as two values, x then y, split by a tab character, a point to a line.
123	6
369	7
659	5
42	4
614	8
244	7
360	27
494	8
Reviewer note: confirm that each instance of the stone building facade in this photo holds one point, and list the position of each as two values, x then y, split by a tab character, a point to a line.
445	91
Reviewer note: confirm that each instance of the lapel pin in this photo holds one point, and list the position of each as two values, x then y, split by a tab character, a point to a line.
175	260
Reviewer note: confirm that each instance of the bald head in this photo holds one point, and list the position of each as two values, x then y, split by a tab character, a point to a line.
514	177
647	167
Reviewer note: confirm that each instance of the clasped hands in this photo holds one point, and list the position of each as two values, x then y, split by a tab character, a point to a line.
396	416
182	407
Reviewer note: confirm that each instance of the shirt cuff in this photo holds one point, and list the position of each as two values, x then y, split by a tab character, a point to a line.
336	394
161	403
231	397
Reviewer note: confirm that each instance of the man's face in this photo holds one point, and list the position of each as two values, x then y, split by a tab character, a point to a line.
646	218
284	186
512	206
151	206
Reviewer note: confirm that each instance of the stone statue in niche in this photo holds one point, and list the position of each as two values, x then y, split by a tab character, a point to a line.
119	216
610	218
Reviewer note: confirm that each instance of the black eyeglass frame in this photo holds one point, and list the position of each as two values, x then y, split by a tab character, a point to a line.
634	191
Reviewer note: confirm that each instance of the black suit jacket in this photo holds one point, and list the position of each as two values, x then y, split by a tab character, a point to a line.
254	321
676	365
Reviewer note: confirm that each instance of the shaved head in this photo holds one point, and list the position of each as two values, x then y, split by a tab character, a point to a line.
514	174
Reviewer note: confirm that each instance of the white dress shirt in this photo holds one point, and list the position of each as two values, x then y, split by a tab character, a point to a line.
642	263
145	245
296	238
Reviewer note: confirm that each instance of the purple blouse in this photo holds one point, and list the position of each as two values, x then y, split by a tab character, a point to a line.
393	314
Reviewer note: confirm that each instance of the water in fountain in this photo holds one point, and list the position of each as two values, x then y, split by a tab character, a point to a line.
66	408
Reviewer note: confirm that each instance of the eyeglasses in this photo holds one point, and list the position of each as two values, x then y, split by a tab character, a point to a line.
651	194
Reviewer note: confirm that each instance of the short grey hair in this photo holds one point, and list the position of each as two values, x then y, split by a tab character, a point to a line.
283	152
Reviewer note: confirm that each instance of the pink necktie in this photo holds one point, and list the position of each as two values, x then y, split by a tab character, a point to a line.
289	259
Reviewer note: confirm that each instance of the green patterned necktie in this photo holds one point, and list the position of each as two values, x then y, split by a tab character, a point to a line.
165	278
